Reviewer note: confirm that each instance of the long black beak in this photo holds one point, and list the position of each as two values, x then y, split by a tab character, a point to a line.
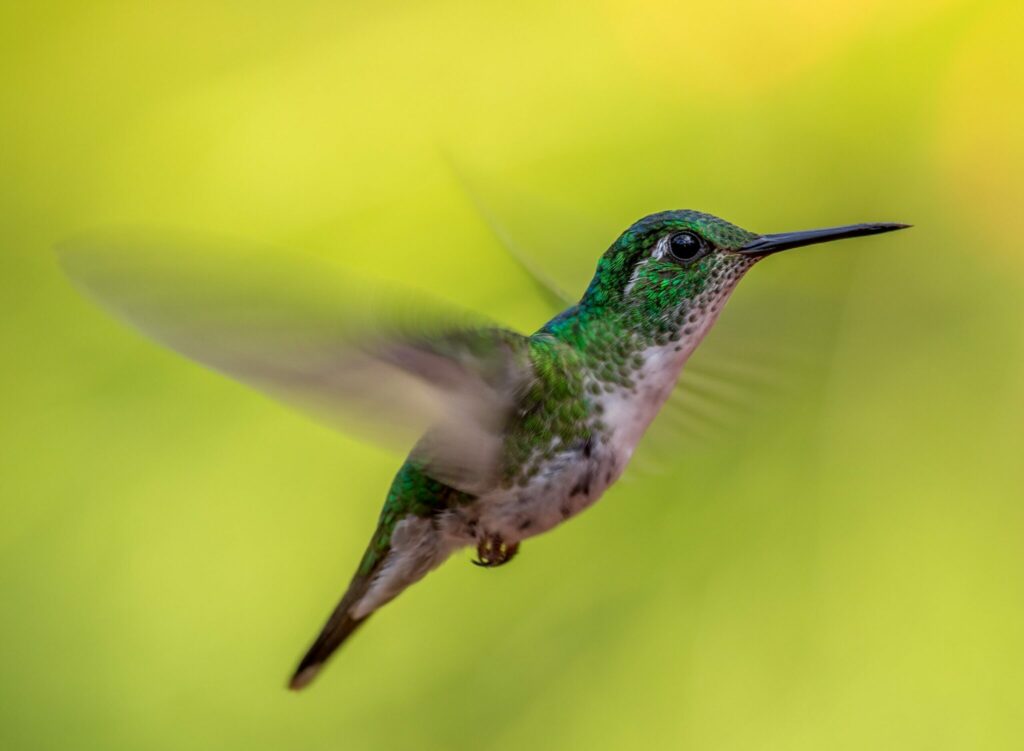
767	244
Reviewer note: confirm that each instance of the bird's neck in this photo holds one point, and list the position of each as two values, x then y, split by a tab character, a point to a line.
624	346
619	349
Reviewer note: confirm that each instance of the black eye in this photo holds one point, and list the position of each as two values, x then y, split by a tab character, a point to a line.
685	246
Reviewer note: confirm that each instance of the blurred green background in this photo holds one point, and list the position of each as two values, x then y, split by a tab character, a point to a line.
839	568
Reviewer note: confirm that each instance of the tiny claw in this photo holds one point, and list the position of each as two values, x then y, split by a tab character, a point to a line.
492	551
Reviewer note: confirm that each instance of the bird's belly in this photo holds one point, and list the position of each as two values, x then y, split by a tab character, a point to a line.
572	480
565	485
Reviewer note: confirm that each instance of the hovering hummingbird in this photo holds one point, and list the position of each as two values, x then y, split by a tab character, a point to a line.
521	432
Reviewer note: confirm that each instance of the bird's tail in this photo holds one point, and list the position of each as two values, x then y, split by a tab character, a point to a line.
397	557
338	628
340	625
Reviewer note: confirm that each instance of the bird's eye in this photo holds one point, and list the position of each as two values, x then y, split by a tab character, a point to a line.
686	246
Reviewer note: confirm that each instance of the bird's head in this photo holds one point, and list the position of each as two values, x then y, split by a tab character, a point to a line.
669	274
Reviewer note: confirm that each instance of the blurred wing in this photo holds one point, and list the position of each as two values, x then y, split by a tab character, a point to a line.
552	293
742	379
359	356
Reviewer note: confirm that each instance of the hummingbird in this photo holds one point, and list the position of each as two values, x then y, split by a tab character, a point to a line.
523	432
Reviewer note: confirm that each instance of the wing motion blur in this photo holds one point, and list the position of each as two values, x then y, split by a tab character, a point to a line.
363	357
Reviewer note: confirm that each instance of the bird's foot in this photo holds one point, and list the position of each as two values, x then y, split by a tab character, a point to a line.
493	551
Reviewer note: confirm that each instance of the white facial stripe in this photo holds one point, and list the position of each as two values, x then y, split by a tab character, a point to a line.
659	252
661	249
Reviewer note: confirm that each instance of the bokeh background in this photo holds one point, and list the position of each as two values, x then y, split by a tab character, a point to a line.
838	565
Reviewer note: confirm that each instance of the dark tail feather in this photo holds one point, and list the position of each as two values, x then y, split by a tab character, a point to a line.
337	629
341	625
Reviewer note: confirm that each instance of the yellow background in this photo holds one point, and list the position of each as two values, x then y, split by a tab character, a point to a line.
841	569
